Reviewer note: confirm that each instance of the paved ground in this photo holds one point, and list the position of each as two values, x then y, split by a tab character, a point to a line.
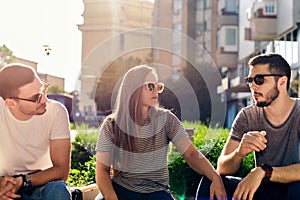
73	134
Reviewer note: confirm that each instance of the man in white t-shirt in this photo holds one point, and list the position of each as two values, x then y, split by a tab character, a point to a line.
34	138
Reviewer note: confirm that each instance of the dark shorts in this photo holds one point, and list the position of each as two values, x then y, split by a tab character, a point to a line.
125	194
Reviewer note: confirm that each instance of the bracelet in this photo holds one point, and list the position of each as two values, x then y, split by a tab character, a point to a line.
26	181
268	172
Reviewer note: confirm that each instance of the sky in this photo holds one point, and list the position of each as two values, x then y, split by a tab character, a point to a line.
27	25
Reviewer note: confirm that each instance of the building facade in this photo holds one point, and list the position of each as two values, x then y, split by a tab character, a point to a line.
230	31
212	24
267	26
52	80
233	31
108	21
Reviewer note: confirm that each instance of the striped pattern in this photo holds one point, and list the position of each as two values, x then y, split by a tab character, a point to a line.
145	171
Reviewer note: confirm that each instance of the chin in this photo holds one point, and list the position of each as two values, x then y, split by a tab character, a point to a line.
262	104
41	111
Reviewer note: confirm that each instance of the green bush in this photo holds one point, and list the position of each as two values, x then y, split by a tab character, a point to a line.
84	146
83	161
210	141
84	174
183	180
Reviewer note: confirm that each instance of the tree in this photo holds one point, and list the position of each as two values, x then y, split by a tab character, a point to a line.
198	84
6	56
55	89
109	79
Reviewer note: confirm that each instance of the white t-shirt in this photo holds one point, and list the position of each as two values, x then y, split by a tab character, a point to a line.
24	145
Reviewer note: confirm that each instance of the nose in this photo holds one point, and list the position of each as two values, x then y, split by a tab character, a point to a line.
253	86
44	98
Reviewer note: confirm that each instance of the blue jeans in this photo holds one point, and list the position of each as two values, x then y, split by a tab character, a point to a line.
272	190
54	190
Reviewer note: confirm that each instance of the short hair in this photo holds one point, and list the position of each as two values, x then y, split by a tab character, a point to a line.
276	63
14	76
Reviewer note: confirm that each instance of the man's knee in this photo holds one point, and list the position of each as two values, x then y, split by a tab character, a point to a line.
56	190
203	188
294	190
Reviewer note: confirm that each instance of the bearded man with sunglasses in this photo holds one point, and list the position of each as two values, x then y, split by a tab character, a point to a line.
35	138
270	129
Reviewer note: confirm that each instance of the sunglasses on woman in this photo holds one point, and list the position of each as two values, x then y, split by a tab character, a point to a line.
35	98
259	79
150	86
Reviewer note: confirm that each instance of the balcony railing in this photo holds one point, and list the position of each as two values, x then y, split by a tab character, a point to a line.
263	21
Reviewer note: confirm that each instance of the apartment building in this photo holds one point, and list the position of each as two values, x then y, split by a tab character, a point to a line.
106	37
211	24
232	31
265	26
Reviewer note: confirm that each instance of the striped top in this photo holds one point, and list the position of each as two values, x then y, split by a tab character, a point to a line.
144	171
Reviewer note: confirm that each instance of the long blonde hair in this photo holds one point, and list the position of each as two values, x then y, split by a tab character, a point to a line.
127	113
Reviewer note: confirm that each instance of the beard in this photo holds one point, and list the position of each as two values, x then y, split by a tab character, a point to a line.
270	97
38	111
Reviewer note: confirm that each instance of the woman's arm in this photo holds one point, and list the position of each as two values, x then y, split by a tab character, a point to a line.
198	162
103	176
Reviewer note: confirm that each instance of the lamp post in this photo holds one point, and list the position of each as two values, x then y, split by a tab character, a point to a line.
47	49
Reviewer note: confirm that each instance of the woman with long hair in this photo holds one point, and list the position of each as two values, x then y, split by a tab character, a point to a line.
134	140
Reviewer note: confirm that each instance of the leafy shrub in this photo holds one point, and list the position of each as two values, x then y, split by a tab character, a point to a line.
84	145
84	174
83	161
183	180
210	141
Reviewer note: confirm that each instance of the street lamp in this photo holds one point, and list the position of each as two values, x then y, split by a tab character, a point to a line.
47	49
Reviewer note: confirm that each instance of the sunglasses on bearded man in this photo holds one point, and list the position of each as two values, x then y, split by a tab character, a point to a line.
259	79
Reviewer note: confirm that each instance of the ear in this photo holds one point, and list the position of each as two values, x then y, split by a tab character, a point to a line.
282	81
10	102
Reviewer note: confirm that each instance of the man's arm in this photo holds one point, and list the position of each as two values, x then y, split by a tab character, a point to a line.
286	174
234	151
60	157
229	160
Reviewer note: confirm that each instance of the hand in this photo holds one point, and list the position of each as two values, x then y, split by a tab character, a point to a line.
9	186
252	141
249	185
217	188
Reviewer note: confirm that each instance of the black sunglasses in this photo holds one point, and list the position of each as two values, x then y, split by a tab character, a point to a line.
36	98
151	86
259	79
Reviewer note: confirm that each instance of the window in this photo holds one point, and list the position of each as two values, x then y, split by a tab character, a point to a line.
200	28
177	6
227	38
269	9
230	36
199	4
231	6
202	4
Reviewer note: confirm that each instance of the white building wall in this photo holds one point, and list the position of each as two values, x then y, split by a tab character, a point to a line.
246	47
285	15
